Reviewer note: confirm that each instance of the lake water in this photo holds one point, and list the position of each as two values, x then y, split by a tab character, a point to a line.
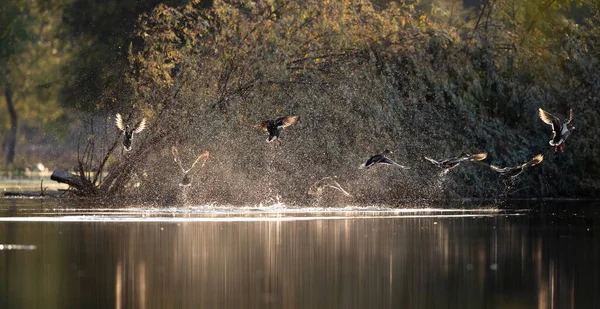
280	257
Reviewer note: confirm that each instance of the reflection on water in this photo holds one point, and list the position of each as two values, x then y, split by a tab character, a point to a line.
17	247
479	260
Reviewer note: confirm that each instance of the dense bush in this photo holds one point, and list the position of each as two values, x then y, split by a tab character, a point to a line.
361	80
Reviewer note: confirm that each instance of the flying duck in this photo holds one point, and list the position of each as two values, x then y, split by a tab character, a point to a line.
139	127
274	127
452	162
381	159
317	188
187	180
560	131
516	170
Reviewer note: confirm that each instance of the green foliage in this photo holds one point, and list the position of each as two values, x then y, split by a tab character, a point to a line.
239	45
31	56
17	29
100	32
363	79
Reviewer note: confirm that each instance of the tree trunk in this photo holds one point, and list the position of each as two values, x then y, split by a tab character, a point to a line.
11	139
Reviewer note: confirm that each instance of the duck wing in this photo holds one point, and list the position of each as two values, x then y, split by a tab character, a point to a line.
337	186
140	126
536	160
550	120
284	122
501	169
546	117
386	160
455	160
119	122
264	125
432	160
175	153
372	160
570	118
478	156
316	188
204	156
378	158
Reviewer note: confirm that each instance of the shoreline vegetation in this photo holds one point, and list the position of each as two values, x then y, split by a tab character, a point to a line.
435	81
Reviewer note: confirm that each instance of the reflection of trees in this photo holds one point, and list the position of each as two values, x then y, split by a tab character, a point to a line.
457	263
492	262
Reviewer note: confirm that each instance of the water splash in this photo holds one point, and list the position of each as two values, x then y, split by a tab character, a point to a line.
260	213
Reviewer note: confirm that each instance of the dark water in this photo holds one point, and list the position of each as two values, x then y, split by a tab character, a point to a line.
280	258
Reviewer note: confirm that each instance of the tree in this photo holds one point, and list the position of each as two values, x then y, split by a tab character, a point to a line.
31	56
101	32
17	30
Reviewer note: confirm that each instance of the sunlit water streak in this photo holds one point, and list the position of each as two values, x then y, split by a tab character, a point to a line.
94	218
276	212
17	247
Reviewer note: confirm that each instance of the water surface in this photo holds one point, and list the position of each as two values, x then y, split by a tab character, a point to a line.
282	257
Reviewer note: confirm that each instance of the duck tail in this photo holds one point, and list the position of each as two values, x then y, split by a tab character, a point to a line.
271	138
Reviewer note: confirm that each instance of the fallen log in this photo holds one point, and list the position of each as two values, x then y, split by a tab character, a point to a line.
81	184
